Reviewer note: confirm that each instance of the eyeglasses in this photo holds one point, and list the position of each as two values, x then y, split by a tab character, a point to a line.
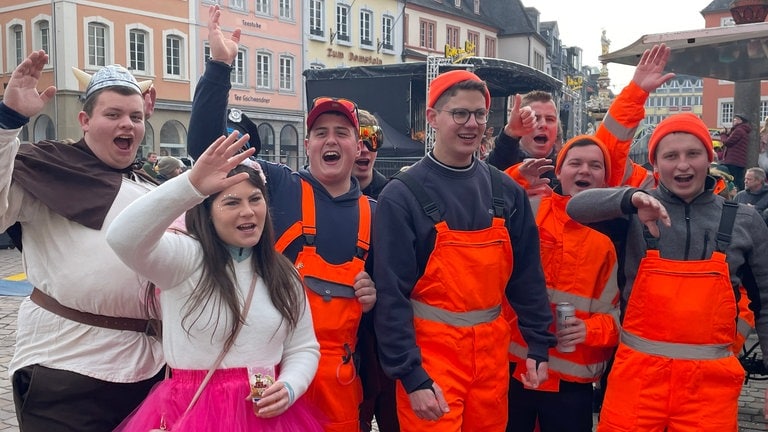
461	116
349	105
372	136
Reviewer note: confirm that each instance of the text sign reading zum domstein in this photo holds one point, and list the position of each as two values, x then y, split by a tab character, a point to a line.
352	57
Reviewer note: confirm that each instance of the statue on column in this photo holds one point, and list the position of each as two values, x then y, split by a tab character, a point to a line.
605	42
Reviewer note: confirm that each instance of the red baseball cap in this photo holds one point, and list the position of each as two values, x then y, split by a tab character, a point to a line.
324	104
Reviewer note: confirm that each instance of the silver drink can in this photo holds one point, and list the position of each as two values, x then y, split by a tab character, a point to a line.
564	312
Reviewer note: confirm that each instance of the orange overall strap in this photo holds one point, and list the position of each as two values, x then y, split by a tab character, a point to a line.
364	228
306	225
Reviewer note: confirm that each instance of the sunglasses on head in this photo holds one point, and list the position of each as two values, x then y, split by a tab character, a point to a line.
372	137
346	103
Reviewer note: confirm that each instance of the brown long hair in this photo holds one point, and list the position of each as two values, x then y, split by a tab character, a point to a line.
217	284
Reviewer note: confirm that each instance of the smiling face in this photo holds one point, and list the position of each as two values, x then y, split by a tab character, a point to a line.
682	162
363	169
114	128
583	168
332	147
540	141
454	143
238	214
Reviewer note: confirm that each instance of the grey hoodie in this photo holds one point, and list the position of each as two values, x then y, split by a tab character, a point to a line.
691	236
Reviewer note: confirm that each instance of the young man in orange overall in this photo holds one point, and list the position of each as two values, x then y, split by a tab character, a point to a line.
323	224
580	266
455	238
686	253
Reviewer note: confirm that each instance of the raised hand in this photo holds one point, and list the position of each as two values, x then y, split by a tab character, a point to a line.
209	173
222	49
522	120
649	73
21	94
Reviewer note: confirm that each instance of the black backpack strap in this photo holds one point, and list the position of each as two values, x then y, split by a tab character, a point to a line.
651	242
727	218
497	191
425	201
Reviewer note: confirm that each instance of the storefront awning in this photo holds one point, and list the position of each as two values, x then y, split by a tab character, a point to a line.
734	53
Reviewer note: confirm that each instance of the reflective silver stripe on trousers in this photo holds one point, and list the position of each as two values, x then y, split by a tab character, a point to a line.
456	319
676	350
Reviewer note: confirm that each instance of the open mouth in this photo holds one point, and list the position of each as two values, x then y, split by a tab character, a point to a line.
684	178
123	142
331	156
540	139
246	227
362	162
582	183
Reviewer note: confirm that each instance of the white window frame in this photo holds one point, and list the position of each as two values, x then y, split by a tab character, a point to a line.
285	9
109	41
316	17
17	46
263	77
286	80
262	7
37	37
173	34
343	24
725	112
239	74
387	33
239	5
366	28
149	69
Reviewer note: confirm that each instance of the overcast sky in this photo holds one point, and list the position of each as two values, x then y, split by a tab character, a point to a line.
581	23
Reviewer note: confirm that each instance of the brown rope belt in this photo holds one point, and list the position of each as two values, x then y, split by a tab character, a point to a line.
115	323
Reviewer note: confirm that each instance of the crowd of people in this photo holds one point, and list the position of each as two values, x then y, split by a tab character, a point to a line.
240	295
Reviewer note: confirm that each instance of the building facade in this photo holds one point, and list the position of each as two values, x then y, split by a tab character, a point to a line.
266	79
683	93
343	33
166	42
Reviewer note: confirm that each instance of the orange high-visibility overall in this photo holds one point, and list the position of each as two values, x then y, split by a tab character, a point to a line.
336	390
459	328
745	322
580	267
673	368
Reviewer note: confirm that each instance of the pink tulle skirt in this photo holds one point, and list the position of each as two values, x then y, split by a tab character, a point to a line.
221	407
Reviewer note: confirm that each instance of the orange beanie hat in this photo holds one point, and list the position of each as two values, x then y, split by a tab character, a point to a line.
446	80
584	139
685	122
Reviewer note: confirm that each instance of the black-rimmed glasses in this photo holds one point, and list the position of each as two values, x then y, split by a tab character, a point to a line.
461	116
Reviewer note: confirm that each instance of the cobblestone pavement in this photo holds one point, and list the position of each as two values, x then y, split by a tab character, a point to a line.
750	403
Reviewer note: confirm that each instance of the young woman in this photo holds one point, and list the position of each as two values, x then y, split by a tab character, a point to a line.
203	276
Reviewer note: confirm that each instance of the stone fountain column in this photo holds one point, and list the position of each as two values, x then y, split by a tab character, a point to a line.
746	97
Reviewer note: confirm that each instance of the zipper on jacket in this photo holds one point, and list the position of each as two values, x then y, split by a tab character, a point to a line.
687	230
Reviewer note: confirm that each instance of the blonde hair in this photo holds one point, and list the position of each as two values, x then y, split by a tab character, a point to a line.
366	118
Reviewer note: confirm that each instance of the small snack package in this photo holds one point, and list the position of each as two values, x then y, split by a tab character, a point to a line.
260	379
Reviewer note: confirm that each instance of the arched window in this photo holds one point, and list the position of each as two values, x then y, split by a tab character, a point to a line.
289	146
44	129
267	137
173	137
148	143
